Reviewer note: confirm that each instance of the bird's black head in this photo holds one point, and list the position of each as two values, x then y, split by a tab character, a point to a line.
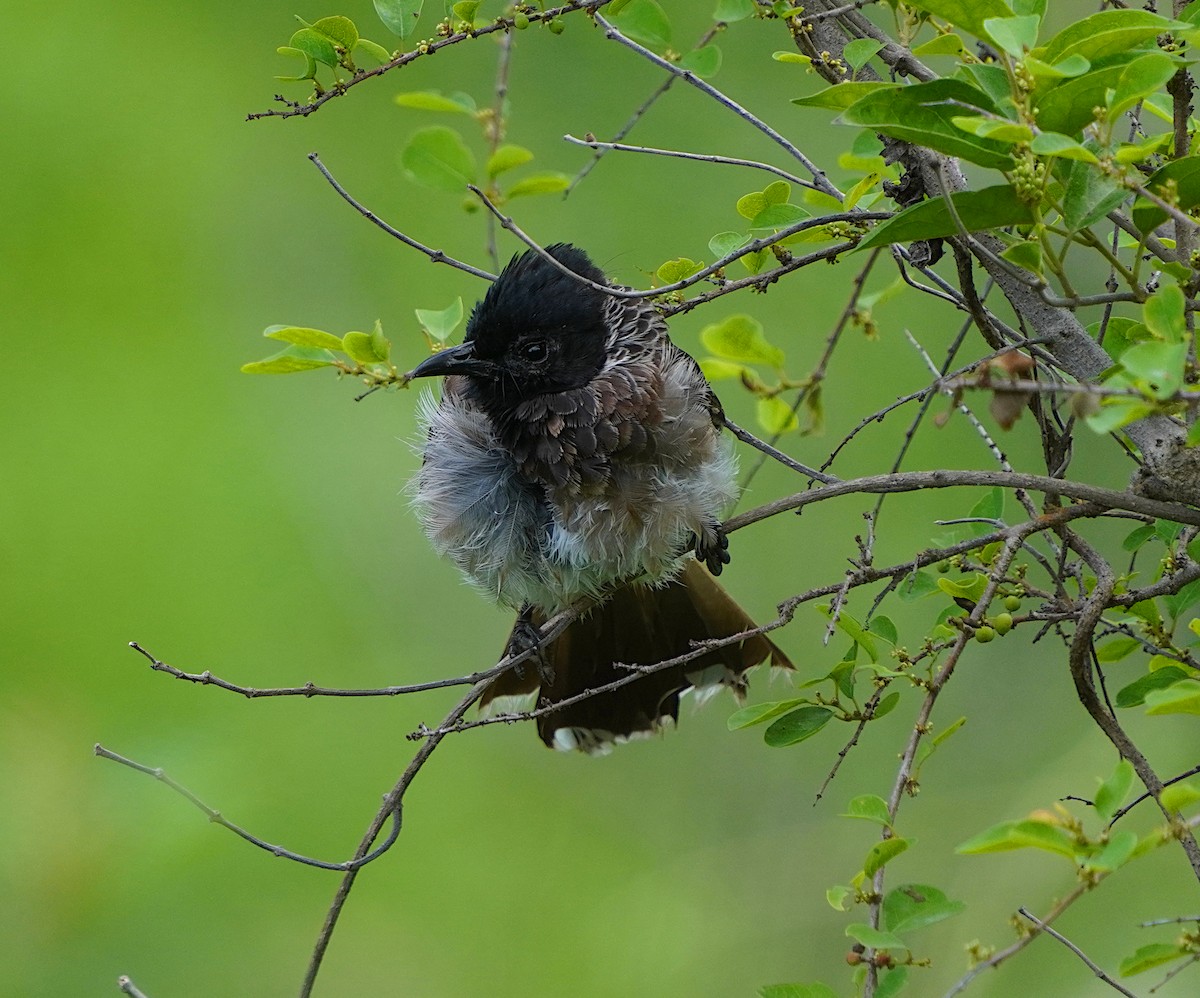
537	331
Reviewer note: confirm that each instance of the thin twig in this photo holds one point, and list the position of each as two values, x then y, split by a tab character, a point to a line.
749	438
131	989
437	256
1091	964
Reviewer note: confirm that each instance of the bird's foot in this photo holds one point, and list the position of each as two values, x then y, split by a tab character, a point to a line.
712	548
526	637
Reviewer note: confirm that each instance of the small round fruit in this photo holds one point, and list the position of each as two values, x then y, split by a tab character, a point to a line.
985	634
1002	622
1012	603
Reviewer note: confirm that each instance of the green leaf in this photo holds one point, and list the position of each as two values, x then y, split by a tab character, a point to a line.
441	324
678	269
999	129
1139	79
341	30
1182	601
374	50
437	157
362	348
791	57
757	713
778	216
1180	795
950	44
989	208
507	157
432	100
646	22
874	938
775	416
1067	107
1159	366
538	183
733	10
989	507
1015	35
740	338
1113	791
923	114
931	745
704	62
1165	314
315	45
859	52
1026	254
1117	649
885	628
797	726
914	906
716	369
380	343
1182	698
1109	32
887	704
724	243
304	337
1027	834
883	852
1115	854
891	982
310	66
1138	536
1150	956
967	14
842	95
1115	413
869	807
837	896
1057	144
1167	531
290	360
916	585
1089	195
399	16
1072	65
466	10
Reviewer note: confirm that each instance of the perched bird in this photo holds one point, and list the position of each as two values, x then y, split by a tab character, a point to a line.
576	452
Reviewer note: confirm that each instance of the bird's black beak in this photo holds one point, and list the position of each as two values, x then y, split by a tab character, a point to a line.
454	360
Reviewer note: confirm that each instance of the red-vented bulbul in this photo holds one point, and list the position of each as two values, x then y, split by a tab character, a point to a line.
576	451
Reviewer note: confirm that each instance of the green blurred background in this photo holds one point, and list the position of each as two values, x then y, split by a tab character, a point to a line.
258	528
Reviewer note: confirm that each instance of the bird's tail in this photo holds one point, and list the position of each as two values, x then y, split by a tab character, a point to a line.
638	625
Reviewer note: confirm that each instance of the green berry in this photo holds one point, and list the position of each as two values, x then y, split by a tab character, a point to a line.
1002	622
1012	603
520	20
984	634
556	26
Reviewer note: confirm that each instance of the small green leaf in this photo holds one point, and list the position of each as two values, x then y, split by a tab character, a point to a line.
733	10
507	157
1150	956
1115	854
466	10
758	713
1057	144
791	57
989	208
374	50
315	45
399	16
1179	603
1113	791
887	704
999	129
775	416
437	157
1139	79
883	852
914	906
380	343
675	270
341	30
704	62
1107	33
841	95
441	324
968	14
917	585
432	100
360	347
740	338
310	65
1165	314
538	183
1116	649
859	52
724	243
1027	834
817	990
290	360
1181	698
797	726
716	369
891	982
885	628
869	807
1015	35
1089	195
1180	795
950	44
1026	254
646	22
304	337
874	938
1138	536
1158	366
778	216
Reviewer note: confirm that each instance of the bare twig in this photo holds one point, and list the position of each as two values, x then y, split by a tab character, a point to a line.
131	989
1091	964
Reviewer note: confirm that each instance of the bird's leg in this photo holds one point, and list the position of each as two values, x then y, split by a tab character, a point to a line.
526	636
712	547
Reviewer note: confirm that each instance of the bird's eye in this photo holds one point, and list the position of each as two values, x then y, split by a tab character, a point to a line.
535	351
